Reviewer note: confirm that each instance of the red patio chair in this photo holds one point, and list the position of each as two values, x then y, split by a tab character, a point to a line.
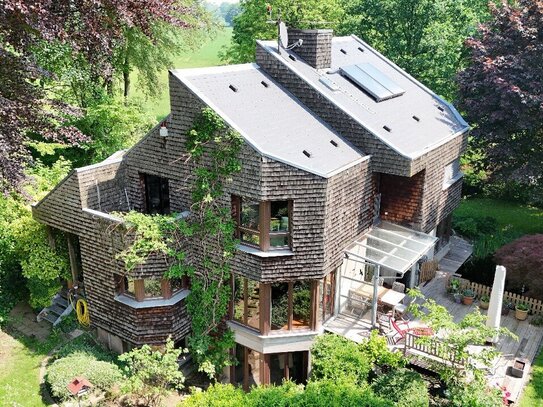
401	328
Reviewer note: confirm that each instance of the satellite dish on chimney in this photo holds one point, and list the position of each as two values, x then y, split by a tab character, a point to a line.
283	35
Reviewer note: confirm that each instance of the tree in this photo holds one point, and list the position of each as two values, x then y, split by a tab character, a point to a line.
151	373
502	95
523	260
88	31
424	37
251	24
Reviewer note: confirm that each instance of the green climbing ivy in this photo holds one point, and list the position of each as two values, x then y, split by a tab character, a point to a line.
212	151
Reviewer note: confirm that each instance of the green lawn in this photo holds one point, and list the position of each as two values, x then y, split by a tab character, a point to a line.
207	55
533	393
19	372
523	219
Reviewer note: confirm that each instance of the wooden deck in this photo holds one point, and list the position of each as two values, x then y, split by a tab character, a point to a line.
459	251
357	327
527	346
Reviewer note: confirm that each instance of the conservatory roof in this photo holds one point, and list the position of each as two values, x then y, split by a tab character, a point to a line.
392	246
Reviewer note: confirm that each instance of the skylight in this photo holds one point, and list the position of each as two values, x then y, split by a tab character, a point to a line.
373	81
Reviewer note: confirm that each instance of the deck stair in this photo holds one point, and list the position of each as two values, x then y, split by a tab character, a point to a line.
59	308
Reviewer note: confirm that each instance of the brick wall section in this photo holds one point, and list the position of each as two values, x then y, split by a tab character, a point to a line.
316	48
401	199
438	203
384	159
349	211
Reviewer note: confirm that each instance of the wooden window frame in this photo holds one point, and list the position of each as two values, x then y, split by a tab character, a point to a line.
264	221
139	288
262	306
313	324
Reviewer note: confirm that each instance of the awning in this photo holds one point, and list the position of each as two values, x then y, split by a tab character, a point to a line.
391	246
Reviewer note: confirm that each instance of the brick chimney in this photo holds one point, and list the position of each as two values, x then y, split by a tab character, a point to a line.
316	49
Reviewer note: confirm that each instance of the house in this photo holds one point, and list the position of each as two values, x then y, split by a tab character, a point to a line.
347	163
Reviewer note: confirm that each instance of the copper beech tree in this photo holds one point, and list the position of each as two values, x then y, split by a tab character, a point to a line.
502	94
92	30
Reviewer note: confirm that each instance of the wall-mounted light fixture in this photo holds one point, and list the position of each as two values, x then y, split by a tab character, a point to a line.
163	130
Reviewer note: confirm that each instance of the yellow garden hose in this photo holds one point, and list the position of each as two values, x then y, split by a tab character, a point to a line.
82	311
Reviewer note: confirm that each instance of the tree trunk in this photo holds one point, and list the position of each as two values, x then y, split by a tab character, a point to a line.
126	77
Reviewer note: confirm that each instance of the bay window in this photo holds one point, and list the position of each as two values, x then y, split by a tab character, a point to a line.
148	288
265	225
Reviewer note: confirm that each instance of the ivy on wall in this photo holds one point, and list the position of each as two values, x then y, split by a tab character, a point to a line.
212	151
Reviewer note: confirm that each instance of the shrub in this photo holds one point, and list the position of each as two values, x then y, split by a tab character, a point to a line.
316	394
276	396
334	357
404	387
523	260
152	373
474	394
379	355
62	371
335	394
217	395
472	227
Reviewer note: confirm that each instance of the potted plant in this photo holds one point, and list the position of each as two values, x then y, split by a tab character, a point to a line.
484	301
454	286
521	311
468	296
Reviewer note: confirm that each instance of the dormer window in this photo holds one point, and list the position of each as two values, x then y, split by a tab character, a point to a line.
264	225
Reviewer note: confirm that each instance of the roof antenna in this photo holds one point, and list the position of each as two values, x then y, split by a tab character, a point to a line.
282	32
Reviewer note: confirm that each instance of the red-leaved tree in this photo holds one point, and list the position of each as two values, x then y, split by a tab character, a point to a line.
523	260
502	91
92	29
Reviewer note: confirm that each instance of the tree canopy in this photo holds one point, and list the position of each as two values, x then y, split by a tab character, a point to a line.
502	93
251	24
77	45
424	37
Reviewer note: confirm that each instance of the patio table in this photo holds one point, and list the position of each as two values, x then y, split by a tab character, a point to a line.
366	291
391	297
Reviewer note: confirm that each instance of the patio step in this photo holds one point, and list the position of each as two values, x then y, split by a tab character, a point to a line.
61	302
56	309
50	317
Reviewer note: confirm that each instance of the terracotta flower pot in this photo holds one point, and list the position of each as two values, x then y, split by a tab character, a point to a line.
521	315
467	300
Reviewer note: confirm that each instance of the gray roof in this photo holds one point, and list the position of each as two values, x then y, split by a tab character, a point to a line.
409	137
270	118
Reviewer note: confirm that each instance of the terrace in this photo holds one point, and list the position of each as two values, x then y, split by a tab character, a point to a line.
499	371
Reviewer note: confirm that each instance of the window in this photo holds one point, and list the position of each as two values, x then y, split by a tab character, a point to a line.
149	288
264	225
246	302
288	366
157	194
452	173
290	305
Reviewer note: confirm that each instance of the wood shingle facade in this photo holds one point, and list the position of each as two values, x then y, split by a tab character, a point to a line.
328	187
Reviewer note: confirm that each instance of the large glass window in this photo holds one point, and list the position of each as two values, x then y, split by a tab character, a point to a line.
246	302
291	305
157	194
279	224
265	225
249	228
